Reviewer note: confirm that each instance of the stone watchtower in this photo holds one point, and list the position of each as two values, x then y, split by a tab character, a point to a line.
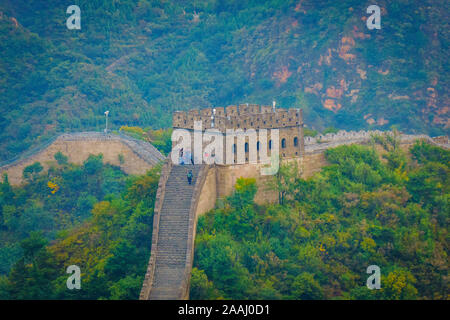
246	117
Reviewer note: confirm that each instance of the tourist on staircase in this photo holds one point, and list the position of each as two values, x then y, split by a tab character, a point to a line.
189	177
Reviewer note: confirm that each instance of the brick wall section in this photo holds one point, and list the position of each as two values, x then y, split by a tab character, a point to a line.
208	194
331	140
147	285
139	156
234	117
227	175
312	162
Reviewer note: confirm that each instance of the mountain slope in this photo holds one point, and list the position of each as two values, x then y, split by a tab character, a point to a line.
144	59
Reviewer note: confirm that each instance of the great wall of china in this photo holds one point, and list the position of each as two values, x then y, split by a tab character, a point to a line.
331	140
169	268
138	155
178	205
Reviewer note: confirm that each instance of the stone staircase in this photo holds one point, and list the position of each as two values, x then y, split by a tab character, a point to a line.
173	234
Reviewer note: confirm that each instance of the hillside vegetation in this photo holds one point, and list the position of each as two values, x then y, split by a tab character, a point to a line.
390	209
318	242
52	202
143	59
92	216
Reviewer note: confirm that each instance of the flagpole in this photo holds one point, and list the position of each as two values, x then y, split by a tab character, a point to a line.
106	127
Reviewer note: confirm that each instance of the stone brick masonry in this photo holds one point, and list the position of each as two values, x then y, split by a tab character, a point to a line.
139	156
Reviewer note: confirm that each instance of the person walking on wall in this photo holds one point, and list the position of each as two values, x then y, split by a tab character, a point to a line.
189	177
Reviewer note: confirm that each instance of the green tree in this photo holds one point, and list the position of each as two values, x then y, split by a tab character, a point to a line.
201	288
31	172
61	158
305	287
33	275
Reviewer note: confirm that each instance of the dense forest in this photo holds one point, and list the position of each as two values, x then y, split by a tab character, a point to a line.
373	204
317	243
142	59
90	215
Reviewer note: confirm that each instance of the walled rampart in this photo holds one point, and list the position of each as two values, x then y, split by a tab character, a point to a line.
137	156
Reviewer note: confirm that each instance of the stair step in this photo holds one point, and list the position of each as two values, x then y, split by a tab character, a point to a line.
173	233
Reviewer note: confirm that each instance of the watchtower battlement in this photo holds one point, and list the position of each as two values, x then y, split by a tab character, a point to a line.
244	116
289	123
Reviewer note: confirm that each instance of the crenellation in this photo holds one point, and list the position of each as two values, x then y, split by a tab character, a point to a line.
289	122
266	109
193	112
179	119
220	111
254	108
243	109
239	117
207	112
231	111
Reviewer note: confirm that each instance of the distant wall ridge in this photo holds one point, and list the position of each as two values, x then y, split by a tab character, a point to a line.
331	140
138	155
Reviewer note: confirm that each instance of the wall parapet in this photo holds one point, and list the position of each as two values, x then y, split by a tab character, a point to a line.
159	200
242	117
192	230
138	155
142	149
331	140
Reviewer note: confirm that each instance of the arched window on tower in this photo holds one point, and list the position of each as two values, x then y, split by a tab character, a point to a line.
295	142
257	146
270	144
283	143
246	147
234	148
